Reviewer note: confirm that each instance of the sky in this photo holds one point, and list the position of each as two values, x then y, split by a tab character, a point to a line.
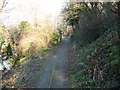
25	10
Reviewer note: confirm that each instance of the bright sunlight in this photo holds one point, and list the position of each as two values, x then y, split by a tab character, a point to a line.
59	44
19	10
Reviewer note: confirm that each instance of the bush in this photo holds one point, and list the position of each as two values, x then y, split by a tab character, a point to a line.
98	65
55	37
9	50
24	25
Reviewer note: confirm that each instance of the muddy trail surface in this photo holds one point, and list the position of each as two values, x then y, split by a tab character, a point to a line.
54	69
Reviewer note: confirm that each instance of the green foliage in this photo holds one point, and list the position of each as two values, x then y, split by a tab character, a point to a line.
45	49
72	13
115	55
12	61
81	79
9	50
88	19
1	39
98	64
55	37
24	25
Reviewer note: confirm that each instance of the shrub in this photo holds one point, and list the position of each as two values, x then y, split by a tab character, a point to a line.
9	50
24	25
55	37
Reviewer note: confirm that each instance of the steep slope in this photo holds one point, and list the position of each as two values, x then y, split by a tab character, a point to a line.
96	65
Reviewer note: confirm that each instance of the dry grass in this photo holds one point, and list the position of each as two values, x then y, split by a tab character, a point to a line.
27	43
29	39
37	38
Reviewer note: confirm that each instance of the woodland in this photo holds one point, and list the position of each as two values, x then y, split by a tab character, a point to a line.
93	32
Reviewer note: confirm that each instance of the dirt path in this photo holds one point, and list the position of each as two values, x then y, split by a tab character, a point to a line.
53	71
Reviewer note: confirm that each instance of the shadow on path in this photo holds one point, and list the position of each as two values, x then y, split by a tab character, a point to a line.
53	73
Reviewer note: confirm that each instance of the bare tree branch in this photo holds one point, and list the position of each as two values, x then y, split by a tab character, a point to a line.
3	3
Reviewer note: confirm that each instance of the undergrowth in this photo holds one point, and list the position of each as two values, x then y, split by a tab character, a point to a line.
97	65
